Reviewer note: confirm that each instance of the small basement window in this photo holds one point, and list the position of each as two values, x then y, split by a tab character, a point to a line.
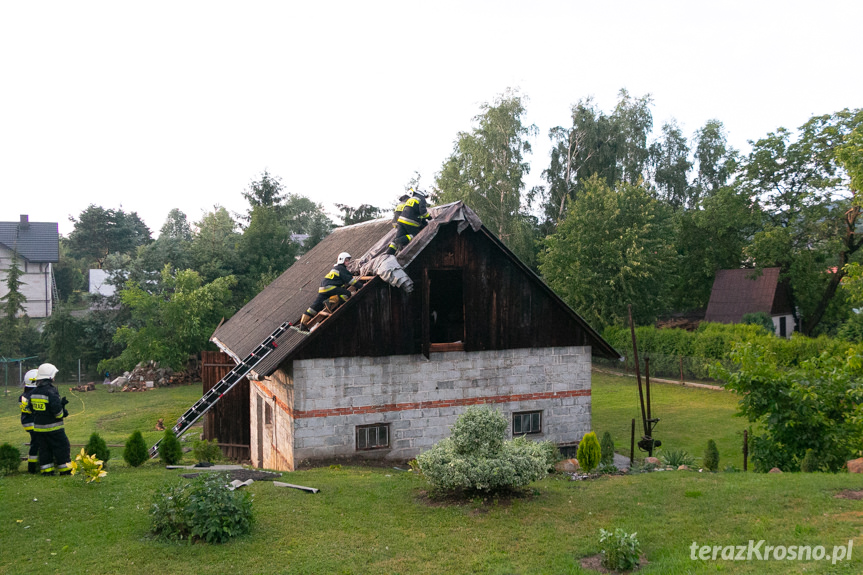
526	422
375	436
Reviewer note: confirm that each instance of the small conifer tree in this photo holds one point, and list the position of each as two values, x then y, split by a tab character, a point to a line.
10	459
135	452
97	446
589	452
810	462
711	456
170	449
607	447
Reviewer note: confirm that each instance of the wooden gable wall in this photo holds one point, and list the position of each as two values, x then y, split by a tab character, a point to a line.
505	308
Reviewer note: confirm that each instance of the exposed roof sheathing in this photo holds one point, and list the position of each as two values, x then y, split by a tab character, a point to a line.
736	293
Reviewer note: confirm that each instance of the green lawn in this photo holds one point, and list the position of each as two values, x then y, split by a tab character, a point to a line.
689	417
377	520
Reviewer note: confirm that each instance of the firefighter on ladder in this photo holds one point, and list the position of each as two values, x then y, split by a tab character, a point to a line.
335	284
27	420
410	217
49	409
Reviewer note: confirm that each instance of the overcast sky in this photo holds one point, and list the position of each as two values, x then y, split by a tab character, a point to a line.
155	105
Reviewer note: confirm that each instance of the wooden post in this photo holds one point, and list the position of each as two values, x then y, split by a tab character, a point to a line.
745	447
632	445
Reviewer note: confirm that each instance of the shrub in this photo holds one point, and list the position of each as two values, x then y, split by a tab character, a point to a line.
476	457
201	509
88	467
97	446
620	551
810	462
589	452
10	459
170	449
607	448
711	456
760	318
135	453
203	450
676	458
816	405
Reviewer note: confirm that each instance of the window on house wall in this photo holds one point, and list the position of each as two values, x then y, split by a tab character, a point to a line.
375	436
526	422
268	414
446	307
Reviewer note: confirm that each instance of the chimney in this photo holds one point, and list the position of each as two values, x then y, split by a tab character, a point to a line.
25	222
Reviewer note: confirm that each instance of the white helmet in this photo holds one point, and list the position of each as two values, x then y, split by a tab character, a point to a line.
342	257
30	377
419	192
46	371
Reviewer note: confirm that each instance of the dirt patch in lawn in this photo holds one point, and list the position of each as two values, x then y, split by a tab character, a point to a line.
849	494
594	563
481	503
243	475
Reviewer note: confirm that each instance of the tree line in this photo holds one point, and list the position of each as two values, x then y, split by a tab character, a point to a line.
625	214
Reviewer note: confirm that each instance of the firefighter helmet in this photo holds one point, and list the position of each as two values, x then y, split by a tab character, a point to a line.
30	376
343	256
46	371
419	192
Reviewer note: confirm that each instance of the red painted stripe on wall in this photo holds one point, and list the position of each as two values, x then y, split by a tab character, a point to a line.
299	414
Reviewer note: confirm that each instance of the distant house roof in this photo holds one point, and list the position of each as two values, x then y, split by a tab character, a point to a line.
737	292
286	298
34	241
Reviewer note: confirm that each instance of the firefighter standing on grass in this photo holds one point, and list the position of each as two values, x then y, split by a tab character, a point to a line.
411	219
334	283
49	409
27	420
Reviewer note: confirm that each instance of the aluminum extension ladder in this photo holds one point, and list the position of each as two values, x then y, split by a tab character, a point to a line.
225	384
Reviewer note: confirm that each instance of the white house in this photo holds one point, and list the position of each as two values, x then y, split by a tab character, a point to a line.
38	247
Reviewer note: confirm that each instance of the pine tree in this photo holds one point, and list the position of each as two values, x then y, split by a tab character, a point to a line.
170	449
97	446
607	448
13	306
135	452
711	456
589	452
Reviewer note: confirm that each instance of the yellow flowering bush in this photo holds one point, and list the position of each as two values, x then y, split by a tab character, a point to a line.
89	467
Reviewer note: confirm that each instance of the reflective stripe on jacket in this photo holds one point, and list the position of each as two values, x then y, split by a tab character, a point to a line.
339	276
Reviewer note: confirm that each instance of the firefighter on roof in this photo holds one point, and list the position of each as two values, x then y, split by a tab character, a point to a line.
334	283
27	420
413	217
48	413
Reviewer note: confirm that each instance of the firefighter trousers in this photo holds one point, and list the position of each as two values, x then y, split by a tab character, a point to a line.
54	452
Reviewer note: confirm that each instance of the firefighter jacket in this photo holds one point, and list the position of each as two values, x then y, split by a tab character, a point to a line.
339	276
399	209
26	411
47	407
415	214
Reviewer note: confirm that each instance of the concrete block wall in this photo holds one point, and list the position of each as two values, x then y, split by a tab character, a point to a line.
420	399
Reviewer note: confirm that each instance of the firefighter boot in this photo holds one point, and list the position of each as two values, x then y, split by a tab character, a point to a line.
304	321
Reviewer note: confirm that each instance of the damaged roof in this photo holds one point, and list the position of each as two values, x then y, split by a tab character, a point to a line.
286	298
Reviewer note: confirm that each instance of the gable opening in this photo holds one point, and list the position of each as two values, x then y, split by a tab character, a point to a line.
446	309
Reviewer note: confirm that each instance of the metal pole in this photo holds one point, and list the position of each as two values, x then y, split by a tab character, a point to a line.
637	371
681	371
79	371
745	447
632	444
647	383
